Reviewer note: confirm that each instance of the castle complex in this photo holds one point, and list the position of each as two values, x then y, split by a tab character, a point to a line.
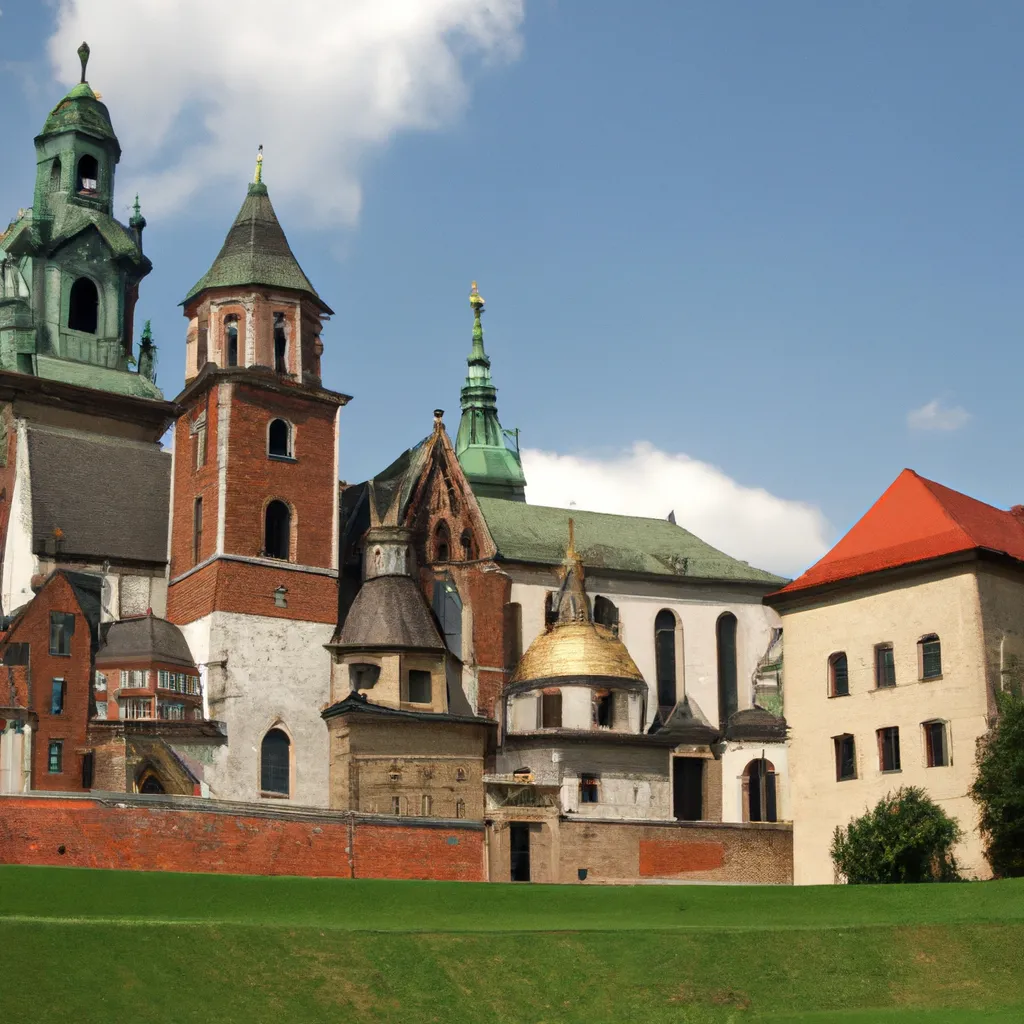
229	629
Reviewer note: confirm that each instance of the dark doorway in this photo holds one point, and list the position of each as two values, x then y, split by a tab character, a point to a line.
84	306
519	855
761	775
277	532
688	788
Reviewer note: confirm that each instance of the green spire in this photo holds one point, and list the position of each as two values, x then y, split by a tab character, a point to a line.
492	468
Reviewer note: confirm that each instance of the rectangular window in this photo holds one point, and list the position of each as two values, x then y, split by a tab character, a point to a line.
889	749
200	436
426	805
839	675
551	710
936	747
62	628
589	785
99	681
419	686
931	657
133	679
396	805
135	708
846	757
460	808
197	530
57	697
56	758
885	666
171	712
163	679
87	767
16	654
604	712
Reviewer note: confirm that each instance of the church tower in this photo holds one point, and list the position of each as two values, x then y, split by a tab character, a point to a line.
254	535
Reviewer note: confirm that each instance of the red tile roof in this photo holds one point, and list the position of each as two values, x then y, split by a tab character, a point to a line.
915	520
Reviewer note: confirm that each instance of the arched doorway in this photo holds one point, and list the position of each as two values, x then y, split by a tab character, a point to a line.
760	792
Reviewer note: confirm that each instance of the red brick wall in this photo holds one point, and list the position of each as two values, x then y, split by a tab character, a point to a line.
662	858
183	836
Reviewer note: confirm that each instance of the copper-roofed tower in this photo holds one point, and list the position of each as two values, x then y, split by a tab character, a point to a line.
254	537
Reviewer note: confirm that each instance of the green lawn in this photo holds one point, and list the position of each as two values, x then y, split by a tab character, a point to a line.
92	946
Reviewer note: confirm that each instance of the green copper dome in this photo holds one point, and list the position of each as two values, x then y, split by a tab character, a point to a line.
492	468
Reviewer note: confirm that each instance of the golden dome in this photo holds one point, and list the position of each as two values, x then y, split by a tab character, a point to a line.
576	649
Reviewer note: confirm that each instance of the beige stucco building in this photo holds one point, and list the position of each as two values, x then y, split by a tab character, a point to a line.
896	642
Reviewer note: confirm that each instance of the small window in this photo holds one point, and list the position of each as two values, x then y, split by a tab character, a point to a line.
197	530
460	808
419	686
200	445
55	175
57	697
363	676
275	763
277	531
426	805
466	542
929	657
607	615
88	174
280	343
889	749
885	666
838	675
460	774
136	709
231	340
442	543
604	711
87	769
279	439
55	761
99	681
84	306
936	745
551	710
396	805
589	787
62	628
846	757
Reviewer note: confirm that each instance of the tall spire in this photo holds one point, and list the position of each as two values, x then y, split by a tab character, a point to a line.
572	594
493	469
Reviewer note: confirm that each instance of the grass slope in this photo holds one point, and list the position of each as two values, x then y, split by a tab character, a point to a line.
93	946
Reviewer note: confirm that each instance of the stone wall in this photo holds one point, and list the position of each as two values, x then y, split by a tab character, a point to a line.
181	834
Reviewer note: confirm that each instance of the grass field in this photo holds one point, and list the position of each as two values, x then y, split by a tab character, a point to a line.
90	947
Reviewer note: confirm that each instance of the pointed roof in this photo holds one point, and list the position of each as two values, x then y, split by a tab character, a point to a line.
81	111
489	464
256	253
915	520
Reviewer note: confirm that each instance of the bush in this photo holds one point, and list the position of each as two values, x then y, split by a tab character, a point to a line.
999	788
906	838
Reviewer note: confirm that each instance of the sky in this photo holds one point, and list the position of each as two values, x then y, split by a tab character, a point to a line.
742	261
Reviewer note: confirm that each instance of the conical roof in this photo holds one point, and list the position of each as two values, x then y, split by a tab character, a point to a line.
256	252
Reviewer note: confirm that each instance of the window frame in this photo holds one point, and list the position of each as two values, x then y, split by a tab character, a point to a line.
555	697
928	640
285	531
58	688
929	746
838	744
197	529
269	791
289	452
881	677
55	749
419	673
67	619
833	661
666	658
590	788
889	742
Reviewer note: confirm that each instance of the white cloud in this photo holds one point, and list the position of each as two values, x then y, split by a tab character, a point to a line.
933	416
195	85
746	522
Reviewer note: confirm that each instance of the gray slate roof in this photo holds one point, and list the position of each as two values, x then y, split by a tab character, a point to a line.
389	612
756	723
256	252
145	638
357	703
108	497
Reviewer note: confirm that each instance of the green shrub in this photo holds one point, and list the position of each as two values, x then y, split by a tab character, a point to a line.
999	788
905	838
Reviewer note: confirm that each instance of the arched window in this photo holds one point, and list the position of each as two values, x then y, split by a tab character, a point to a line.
838	675
466	541
84	306
606	614
665	657
55	175
448	609
279	439
280	344
929	657
277	532
151	784
728	698
442	543
231	340
275	763
88	174
759	783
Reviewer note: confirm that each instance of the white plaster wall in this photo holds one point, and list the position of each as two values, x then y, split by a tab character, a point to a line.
735	759
15	750
943	603
20	565
276	673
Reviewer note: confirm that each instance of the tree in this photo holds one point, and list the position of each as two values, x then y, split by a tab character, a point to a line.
999	788
905	838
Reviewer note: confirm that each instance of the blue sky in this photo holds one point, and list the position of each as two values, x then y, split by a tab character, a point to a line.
757	235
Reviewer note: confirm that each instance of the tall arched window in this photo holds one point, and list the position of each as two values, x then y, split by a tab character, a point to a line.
88	174
280	344
448	609
277	532
279	439
275	763
84	306
466	541
665	657
55	175
728	697
442	543
759	783
231	340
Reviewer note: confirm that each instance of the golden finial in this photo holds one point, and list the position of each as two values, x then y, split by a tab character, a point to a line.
476	300
259	166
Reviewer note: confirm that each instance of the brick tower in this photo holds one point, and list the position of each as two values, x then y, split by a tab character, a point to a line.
254	520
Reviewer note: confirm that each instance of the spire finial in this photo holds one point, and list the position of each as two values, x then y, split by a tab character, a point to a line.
83	56
258	178
570	551
476	303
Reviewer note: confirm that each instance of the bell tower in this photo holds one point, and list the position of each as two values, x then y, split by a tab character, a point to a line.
254	534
